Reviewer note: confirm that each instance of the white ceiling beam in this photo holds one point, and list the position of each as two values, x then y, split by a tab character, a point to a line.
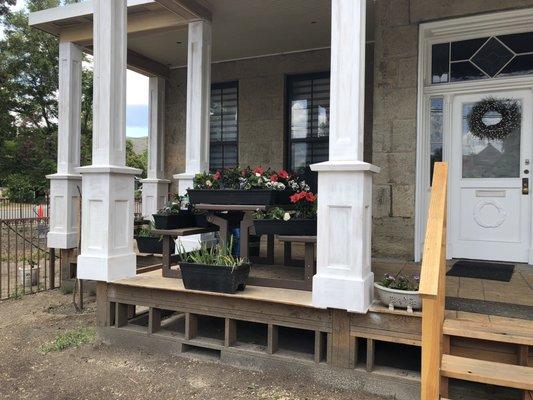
191	10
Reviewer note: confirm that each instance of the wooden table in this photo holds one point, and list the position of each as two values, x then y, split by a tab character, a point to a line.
245	225
168	241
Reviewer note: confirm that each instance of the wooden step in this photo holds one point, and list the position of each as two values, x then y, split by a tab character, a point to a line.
506	330
488	372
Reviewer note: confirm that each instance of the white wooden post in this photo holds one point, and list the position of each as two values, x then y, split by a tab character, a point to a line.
198	103
107	206
64	184
344	278
155	187
197	124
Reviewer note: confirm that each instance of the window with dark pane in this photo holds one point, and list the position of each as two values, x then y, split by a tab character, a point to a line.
308	119
436	131
224	127
482	58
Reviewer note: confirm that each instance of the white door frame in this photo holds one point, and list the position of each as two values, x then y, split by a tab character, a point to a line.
498	23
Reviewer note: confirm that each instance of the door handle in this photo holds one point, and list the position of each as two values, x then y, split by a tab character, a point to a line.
525	185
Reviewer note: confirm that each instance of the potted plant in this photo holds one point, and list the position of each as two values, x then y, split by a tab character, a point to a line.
174	214
147	242
399	291
213	269
300	221
258	186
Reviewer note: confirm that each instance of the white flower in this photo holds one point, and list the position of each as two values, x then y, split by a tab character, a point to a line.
208	183
286	216
268	184
280	186
257	174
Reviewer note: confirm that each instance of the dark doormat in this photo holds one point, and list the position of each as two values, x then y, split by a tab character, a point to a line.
500	309
482	270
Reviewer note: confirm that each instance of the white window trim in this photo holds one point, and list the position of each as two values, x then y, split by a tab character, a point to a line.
493	24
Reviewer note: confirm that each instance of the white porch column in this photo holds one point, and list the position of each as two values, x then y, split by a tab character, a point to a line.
344	279
64	184
107	206
198	99
155	187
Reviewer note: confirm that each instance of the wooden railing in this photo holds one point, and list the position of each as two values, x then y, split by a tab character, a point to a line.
433	286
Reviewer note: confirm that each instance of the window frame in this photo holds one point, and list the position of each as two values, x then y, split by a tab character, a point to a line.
288	140
222	86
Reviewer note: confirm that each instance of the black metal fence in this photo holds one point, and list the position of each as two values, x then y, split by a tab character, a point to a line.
27	265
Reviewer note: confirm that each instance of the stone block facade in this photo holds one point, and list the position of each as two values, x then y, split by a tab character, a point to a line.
395	109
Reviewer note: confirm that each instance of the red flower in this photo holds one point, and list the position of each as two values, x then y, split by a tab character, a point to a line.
296	197
259	170
310	197
283	174
217	176
273	178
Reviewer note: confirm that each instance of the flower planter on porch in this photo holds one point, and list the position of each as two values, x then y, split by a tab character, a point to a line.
214	278
293	227
235	196
408	299
149	244
184	219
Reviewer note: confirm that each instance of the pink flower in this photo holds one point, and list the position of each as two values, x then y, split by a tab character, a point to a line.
273	178
259	170
283	174
217	176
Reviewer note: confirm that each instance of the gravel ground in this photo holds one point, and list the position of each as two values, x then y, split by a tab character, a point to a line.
96	371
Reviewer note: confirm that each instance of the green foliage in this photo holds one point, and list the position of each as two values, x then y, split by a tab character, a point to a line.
205	180
17	294
400	282
135	160
146	230
72	338
271	213
20	188
218	255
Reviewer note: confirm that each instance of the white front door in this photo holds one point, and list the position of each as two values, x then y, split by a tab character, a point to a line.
489	208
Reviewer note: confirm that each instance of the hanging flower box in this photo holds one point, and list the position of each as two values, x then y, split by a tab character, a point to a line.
149	244
293	227
247	186
174	215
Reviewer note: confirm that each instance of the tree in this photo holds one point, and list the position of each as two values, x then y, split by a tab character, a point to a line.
5	4
29	85
136	160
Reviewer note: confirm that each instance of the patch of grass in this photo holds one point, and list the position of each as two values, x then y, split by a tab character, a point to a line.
72	338
66	289
17	294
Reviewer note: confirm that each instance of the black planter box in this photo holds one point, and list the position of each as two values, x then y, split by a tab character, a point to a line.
292	227
151	245
238	197
200	220
214	278
185	219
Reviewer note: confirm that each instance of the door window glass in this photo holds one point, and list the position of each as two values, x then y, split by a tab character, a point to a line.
489	158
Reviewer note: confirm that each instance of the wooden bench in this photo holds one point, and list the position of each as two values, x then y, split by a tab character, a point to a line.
168	245
309	254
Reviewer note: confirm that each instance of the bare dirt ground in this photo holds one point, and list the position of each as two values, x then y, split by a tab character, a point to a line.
96	371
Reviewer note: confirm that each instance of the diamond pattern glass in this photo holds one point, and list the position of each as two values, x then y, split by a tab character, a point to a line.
492	57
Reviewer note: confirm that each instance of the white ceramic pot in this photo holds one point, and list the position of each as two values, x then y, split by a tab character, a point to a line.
410	300
28	275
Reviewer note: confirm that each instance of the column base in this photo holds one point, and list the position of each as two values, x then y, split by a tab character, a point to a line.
185	181
106	269
64	212
154	195
62	240
351	294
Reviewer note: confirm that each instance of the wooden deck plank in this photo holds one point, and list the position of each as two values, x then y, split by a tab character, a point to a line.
154	280
508	332
488	372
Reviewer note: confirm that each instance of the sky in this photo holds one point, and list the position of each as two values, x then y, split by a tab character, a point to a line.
136	98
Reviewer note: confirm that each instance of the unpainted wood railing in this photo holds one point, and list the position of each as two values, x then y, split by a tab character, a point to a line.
433	286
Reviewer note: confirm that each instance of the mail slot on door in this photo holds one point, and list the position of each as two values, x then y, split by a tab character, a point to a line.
490	193
525	185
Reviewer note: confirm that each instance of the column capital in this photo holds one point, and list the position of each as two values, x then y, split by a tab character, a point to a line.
343	166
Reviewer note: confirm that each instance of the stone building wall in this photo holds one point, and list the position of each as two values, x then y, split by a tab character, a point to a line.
395	107
261	106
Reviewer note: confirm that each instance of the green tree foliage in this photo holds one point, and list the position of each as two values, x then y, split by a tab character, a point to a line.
5	4
28	102
136	160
